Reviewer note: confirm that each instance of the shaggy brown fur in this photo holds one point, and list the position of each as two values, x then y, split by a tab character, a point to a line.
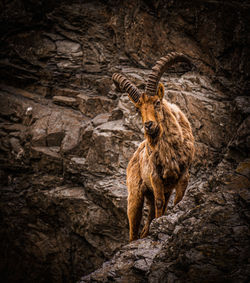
161	163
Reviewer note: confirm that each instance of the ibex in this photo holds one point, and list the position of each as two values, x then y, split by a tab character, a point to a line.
161	162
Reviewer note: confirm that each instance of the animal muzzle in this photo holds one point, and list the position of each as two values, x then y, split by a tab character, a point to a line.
151	128
148	125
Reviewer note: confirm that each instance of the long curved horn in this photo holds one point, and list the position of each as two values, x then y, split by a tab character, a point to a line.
125	85
160	67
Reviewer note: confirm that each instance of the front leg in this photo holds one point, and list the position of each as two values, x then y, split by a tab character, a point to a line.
135	205
151	214
158	189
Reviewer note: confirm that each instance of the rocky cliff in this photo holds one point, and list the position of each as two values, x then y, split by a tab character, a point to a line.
67	135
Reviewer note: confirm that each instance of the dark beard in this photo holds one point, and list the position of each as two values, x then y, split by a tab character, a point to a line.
154	134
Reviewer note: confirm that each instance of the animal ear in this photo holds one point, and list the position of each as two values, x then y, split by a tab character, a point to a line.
160	91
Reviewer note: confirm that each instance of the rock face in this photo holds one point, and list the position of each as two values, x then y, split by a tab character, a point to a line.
67	135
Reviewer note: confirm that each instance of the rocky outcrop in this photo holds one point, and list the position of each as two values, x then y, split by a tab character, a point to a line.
198	239
66	201
196	242
67	135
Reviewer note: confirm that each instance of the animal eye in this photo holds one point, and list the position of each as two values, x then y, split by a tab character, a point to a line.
157	103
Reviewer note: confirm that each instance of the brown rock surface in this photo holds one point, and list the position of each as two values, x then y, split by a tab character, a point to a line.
66	135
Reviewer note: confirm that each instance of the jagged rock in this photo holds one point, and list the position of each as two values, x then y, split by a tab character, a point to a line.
94	105
240	144
16	146
63	167
67	47
243	104
101	119
65	92
110	150
62	100
48	159
186	247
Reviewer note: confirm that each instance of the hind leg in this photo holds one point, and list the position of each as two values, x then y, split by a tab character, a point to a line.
151	215
167	197
134	211
181	188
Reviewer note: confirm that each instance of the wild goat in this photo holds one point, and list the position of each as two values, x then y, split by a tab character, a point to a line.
161	162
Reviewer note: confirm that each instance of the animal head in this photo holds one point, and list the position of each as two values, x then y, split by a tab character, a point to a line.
149	102
151	111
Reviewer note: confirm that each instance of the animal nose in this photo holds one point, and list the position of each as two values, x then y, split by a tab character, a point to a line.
148	125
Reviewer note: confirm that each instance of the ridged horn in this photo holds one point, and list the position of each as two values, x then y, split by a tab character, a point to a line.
160	67
125	85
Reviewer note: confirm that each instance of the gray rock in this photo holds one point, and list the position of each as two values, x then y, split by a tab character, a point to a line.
94	105
243	104
67	47
63	167
62	100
